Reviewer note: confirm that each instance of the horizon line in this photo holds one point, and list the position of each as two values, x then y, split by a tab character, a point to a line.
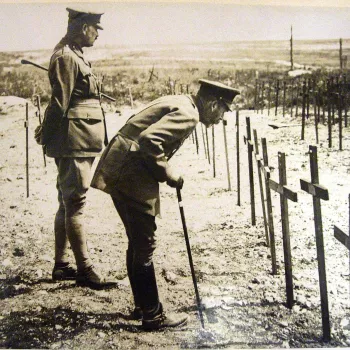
102	46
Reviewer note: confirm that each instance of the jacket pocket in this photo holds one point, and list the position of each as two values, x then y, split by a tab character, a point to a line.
85	128
93	85
111	164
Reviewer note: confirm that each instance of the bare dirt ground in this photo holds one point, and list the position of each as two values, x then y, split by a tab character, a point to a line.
244	304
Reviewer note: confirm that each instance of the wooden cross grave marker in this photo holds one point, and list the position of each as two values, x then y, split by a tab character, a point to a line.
237	160
248	141
224	123
318	192
285	194
152	74
259	168
267	175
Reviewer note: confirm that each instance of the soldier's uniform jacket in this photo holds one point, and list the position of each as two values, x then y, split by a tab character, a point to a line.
73	124
136	159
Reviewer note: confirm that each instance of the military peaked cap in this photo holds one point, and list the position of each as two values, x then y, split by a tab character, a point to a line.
83	13
219	90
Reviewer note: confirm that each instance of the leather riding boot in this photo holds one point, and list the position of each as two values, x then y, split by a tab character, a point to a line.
154	317
160	320
89	277
146	287
137	312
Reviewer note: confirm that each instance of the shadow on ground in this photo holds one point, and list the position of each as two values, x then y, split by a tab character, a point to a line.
40	329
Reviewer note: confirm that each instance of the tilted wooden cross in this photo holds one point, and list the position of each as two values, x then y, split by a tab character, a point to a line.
285	194
267	174
259	165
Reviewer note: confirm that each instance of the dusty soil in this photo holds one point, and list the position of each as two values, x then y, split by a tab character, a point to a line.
244	304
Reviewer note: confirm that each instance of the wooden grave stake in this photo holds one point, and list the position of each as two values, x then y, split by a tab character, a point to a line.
259	166
213	143
267	175
248	140
284	98
318	105
345	101
204	145
238	161
262	97
207	139
303	112
329	114
196	139
269	98
332	99
291	98
285	194
315	112
26	125
308	98
277	93
38	113
340	120
224	123
324	95
255	94
297	99
318	192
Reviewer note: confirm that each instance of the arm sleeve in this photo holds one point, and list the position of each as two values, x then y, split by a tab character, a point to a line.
172	128
63	75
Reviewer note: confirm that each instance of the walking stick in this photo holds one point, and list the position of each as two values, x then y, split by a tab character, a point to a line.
26	125
182	213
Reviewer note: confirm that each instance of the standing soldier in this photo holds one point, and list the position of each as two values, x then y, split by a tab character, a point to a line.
73	133
130	169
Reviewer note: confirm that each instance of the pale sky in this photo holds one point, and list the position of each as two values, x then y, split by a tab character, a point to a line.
40	25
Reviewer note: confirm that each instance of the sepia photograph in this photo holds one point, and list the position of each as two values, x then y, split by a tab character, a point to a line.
175	174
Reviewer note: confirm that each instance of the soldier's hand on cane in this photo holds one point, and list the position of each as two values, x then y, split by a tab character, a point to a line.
174	180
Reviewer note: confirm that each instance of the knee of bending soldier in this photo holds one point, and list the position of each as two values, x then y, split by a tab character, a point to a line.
144	256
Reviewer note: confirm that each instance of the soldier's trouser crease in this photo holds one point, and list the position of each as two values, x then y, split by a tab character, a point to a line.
140	229
73	181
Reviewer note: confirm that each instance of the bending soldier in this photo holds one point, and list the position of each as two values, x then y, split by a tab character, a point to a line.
130	169
73	133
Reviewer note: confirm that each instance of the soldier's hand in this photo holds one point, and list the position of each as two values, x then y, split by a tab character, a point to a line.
38	134
176	182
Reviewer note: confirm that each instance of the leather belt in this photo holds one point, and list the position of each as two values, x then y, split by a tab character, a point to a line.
85	101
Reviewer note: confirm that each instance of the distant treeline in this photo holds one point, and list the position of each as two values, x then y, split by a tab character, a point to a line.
141	85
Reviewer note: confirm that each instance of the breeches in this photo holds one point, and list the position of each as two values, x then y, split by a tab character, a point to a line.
140	229
73	181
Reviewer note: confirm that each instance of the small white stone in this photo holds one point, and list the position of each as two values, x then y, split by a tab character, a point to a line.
7	262
285	344
344	322
283	324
